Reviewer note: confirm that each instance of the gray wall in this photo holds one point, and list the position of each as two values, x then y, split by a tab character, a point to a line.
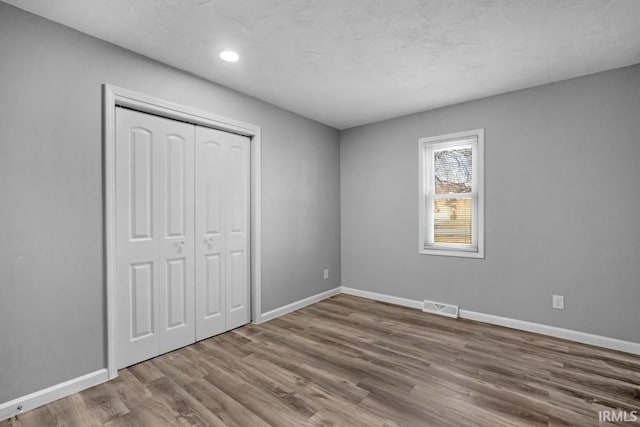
562	206
52	302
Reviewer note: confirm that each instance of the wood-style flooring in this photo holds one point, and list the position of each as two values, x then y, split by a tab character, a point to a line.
348	361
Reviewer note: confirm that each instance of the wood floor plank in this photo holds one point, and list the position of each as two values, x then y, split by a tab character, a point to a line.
228	410
145	372
348	361
73	412
105	404
149	412
329	381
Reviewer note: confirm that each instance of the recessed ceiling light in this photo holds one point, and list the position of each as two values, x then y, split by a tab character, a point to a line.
229	56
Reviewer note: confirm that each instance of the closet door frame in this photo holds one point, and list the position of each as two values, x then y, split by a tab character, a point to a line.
113	96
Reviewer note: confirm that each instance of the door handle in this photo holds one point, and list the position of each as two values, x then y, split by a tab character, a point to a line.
181	243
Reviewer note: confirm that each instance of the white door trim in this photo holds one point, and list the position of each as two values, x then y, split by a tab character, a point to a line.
115	96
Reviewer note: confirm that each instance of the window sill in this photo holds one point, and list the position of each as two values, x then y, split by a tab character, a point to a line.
455	252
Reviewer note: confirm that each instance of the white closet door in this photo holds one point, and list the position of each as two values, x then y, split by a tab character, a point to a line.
222	231
237	230
154	235
176	152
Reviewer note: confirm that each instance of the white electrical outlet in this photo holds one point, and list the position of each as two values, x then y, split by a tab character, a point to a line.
326	273
558	302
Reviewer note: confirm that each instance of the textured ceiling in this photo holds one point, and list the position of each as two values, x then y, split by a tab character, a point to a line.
350	62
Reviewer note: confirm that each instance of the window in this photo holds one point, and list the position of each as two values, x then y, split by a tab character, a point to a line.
452	194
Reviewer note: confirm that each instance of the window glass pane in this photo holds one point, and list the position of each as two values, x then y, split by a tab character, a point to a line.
452	220
452	170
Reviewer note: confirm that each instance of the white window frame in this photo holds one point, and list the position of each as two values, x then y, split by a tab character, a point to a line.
426	196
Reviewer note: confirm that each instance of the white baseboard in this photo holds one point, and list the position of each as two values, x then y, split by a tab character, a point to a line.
49	394
538	328
270	315
552	331
383	298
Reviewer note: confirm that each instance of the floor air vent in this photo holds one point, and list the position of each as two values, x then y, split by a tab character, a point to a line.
441	309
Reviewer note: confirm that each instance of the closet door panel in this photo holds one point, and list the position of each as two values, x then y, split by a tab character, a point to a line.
237	231
137	276
140	181
141	293
210	239
177	191
214	291
154	236
176	158
222	230
177	289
